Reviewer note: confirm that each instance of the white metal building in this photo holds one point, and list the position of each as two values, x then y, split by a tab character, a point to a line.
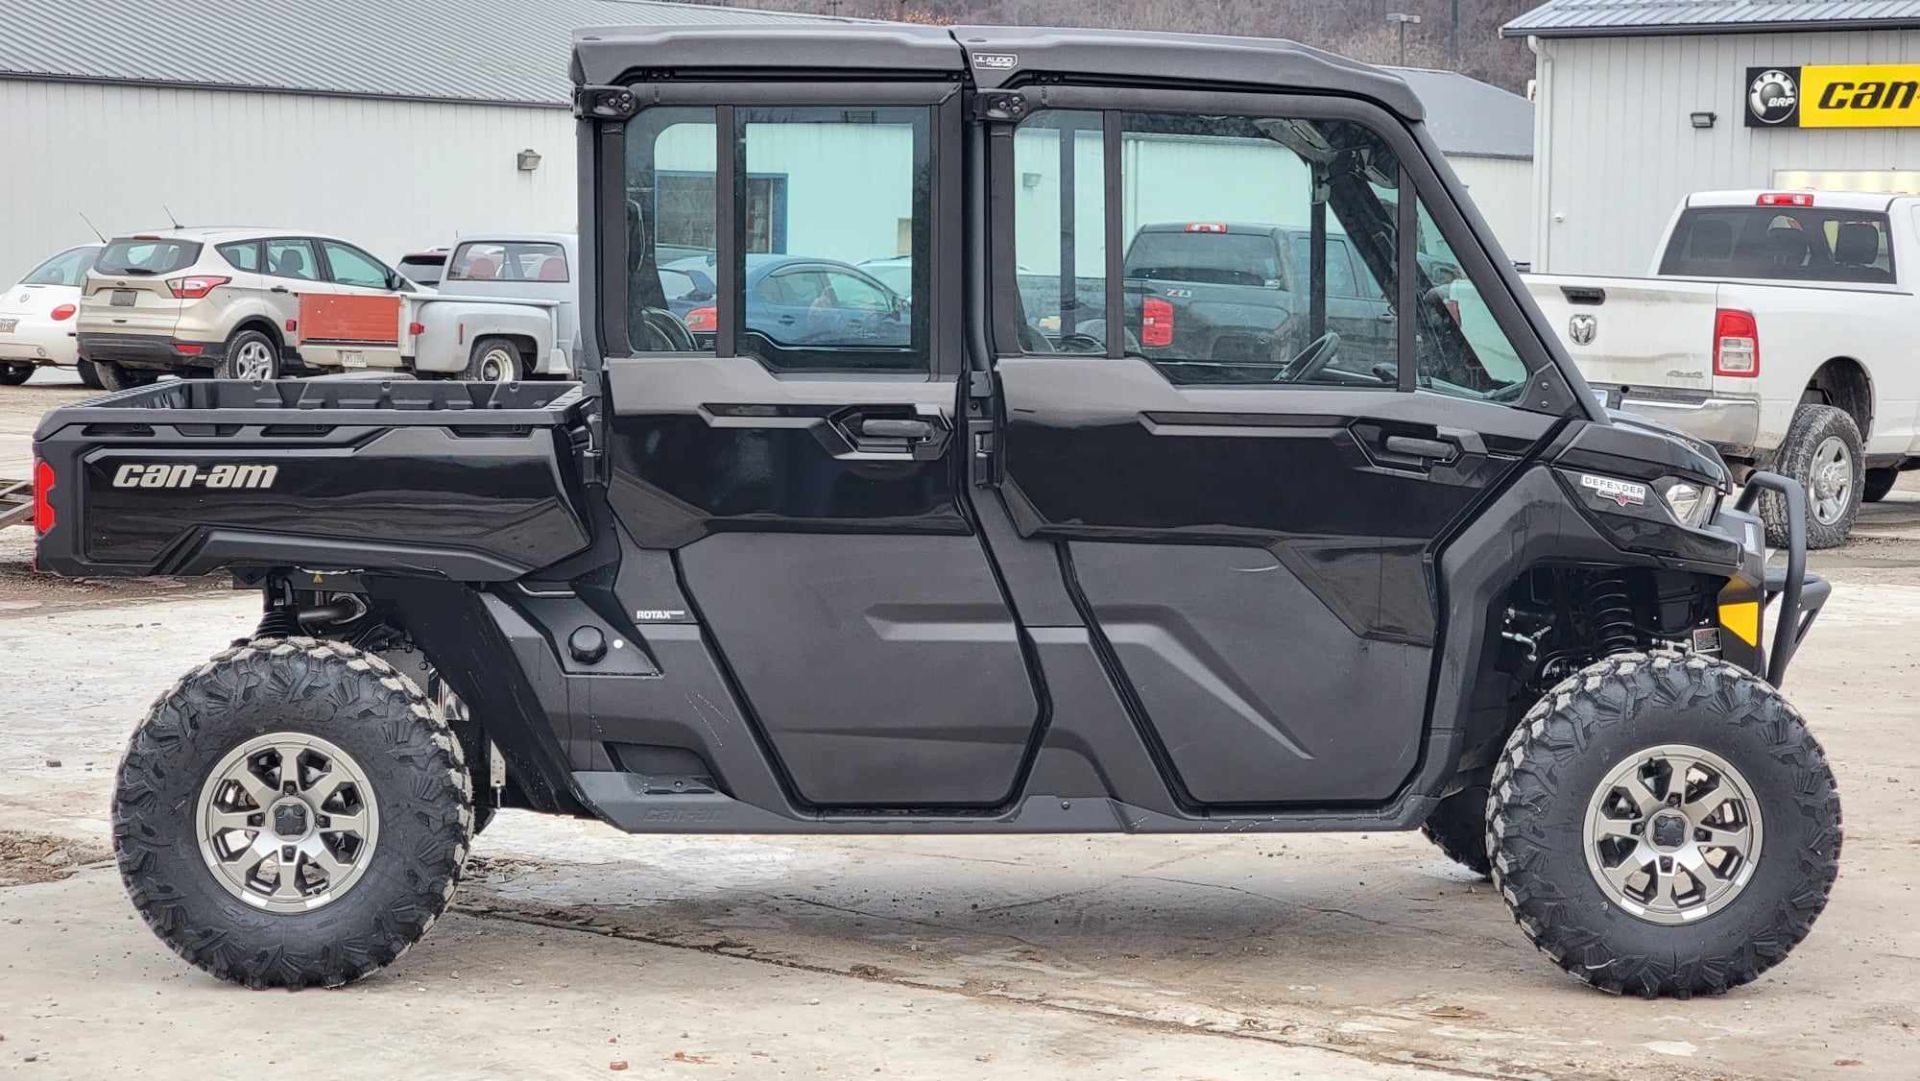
396	125
1641	101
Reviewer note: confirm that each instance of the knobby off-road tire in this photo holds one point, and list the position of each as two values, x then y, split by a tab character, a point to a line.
1459	826
366	718
1824	452
1633	708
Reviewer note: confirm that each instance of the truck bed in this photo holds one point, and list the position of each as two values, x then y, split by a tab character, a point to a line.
469	481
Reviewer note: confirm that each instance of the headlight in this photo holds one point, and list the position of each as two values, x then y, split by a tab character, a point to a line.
1692	504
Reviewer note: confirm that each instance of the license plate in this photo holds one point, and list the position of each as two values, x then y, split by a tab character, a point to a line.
351	359
7	325
125	298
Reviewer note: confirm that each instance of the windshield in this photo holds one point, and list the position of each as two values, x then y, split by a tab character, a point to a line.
1212	258
425	270
68	268
146	256
1784	243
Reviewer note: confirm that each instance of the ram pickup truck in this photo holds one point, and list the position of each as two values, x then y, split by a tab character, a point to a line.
957	580
1777	326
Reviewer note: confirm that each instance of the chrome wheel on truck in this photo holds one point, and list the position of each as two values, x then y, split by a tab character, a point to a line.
1830	487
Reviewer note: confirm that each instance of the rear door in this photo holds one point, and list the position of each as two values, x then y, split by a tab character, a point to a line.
1255	554
803	468
127	290
289	273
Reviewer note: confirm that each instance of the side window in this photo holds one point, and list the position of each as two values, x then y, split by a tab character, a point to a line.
672	230
243	255
291	258
348	265
858	180
1059	232
1222	287
1458	348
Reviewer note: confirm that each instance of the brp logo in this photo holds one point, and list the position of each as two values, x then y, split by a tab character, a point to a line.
1773	96
1582	329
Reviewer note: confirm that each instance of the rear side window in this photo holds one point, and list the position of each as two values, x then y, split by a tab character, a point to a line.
291	258
244	255
1780	243
68	268
146	257
512	262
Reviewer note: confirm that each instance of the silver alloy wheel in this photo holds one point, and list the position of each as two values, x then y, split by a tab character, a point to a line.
287	822
1830	480
497	365
253	361
1673	834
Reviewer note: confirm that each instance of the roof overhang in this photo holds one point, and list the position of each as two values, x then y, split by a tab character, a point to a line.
1702	29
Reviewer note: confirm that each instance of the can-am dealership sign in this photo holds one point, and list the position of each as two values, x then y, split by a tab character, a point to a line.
1834	96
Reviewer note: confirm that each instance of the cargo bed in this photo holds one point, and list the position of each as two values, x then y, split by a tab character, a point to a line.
470	481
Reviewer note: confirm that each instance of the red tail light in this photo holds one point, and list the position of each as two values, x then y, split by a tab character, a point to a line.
1156	322
190	349
415	329
42	497
1786	198
195	286
1736	344
63	312
704	320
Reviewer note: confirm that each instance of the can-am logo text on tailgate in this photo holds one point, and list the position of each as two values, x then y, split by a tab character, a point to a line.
164	475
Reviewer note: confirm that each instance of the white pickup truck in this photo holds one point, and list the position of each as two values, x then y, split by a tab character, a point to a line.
1779	327
539	270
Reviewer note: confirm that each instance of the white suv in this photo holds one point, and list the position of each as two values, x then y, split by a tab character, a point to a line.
240	303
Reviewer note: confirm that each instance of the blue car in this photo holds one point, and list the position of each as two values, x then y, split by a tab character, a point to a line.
803	301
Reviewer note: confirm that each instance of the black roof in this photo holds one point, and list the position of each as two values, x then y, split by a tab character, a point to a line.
995	55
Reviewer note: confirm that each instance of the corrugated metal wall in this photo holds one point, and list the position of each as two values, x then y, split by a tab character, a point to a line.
1502	189
391	175
1615	149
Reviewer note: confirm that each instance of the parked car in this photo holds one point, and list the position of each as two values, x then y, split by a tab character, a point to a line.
895	272
263	303
423	267
1775	326
793	300
978	588
521	268
37	315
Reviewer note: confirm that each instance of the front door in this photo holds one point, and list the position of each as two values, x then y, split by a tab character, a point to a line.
797	447
358	326
1255	545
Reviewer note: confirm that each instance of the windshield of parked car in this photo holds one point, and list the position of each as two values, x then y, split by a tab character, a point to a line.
146	256
1208	257
1787	243
68	268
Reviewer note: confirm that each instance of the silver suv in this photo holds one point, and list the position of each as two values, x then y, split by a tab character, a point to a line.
227	301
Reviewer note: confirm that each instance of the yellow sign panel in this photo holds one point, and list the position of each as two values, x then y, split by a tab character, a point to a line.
1860	96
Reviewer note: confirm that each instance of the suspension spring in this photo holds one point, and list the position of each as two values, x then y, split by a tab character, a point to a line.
1610	612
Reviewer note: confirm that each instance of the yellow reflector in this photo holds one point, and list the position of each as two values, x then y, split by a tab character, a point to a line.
1742	619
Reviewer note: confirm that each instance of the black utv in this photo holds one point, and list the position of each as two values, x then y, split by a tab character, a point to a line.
775	566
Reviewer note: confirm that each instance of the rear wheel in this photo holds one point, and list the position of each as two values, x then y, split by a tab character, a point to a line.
12	375
292	813
1823	452
1664	824
89	375
252	356
494	360
115	377
1879	483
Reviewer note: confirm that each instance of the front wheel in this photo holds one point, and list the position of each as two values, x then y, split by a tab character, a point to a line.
1664	824
12	375
292	813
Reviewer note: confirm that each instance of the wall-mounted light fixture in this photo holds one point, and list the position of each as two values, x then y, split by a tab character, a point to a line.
1703	120
527	160
1030	181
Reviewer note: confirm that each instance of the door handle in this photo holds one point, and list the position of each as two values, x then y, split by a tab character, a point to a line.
896	428
279	289
1414	447
1388	317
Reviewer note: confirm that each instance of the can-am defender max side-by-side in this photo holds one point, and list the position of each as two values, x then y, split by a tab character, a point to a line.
903	493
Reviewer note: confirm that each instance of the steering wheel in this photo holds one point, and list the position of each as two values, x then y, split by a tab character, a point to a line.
1310	361
1080	343
660	332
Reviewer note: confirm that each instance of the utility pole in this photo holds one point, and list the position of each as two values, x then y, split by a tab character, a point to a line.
1453	37
1402	18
